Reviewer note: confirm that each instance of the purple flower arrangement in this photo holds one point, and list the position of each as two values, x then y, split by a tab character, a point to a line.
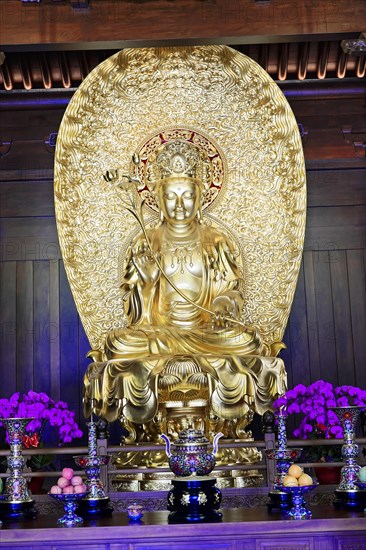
42	408
314	403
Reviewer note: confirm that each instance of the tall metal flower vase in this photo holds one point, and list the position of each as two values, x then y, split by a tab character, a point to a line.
18	503
348	495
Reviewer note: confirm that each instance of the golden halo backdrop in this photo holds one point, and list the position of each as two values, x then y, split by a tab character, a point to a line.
231	101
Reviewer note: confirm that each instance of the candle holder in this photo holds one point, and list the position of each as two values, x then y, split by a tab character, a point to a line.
280	501
298	509
347	494
18	503
281	431
95	503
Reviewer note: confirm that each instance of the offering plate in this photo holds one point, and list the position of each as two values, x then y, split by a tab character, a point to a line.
298	510
70	519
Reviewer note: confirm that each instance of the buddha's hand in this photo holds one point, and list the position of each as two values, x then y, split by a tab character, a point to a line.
224	310
145	265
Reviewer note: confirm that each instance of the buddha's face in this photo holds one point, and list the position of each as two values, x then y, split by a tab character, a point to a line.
179	200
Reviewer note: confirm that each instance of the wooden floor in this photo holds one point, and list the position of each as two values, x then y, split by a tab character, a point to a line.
241	529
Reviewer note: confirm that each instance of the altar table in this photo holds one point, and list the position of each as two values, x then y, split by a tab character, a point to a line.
241	529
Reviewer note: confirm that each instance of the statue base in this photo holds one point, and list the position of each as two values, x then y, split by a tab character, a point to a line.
17	511
94	508
279	501
351	499
194	499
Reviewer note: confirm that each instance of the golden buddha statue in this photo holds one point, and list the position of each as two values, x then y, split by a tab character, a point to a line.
185	309
182	290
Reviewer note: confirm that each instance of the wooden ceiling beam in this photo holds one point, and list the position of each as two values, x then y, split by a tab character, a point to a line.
114	24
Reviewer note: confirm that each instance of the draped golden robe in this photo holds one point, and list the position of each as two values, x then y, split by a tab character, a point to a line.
230	358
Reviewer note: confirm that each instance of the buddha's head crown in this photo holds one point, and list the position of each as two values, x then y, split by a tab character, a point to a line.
178	159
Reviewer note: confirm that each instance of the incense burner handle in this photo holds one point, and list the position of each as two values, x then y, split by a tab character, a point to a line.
167	444
215	442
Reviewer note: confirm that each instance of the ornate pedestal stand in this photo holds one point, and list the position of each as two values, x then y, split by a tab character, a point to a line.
348	495
18	504
194	499
70	519
95	504
279	500
298	509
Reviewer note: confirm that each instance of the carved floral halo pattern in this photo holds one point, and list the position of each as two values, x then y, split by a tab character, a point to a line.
214	172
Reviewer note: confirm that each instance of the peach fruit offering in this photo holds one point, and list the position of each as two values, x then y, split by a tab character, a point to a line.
68	483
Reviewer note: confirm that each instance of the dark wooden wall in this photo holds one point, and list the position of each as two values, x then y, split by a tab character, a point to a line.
327	327
43	344
117	24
